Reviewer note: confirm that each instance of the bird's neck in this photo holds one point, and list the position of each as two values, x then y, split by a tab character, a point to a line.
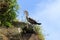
27	17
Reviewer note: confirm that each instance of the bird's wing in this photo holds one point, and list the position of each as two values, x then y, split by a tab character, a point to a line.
32	20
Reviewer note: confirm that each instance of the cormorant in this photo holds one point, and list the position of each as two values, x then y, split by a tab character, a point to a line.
30	20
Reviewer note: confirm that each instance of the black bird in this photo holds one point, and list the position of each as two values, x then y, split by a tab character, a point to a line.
30	20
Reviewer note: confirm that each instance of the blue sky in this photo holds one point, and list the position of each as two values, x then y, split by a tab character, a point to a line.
45	11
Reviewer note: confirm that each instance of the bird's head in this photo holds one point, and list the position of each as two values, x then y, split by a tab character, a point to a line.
26	13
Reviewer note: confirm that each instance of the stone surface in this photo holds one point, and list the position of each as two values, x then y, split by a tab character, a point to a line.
13	34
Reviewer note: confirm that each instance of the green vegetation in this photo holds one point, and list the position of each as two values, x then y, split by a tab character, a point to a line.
8	9
38	30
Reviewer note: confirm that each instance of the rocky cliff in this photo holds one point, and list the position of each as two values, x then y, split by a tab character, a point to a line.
14	34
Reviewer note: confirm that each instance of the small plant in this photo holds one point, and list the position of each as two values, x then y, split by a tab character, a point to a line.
38	30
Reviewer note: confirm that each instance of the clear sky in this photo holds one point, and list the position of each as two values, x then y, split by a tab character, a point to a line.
45	11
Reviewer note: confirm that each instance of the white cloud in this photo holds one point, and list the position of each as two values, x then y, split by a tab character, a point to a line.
49	14
51	11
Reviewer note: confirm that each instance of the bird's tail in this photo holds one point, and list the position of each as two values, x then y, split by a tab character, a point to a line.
39	23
